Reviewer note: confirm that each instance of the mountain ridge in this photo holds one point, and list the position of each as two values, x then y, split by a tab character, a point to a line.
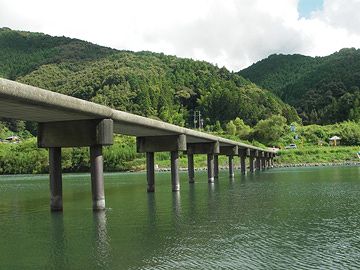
323	90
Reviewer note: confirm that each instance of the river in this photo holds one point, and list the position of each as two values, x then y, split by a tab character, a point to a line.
299	218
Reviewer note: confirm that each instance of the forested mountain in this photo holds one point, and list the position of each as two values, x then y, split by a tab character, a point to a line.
322	89
23	52
145	83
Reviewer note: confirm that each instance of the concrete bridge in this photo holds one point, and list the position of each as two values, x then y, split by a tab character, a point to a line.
70	122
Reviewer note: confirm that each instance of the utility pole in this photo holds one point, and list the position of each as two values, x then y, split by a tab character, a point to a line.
198	121
195	120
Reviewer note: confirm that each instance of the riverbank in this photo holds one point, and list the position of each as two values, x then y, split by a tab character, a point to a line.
317	164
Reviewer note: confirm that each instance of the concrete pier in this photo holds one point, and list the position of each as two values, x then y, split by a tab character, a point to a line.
191	169
243	164
231	167
216	166
171	143
150	171
258	163
210	167
56	203
263	163
208	148
97	177
175	178
251	164
93	133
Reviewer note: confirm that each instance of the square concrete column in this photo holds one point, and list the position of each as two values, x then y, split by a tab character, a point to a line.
97	177
175	178
150	171
231	167
216	166
243	164
210	167
56	203
191	170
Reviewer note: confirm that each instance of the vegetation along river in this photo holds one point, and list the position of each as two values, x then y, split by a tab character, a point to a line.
298	218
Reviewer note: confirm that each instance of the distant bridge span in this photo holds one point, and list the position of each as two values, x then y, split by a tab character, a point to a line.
66	121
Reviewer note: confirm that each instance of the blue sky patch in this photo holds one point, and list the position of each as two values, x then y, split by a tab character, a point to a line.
305	7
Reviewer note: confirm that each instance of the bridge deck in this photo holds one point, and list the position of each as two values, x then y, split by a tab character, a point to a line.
24	102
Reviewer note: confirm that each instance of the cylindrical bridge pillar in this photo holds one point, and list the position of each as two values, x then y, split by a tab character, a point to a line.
243	164
175	178
231	167
97	177
258	164
268	163
191	170
56	203
251	161
210	167
263	163
216	167
150	171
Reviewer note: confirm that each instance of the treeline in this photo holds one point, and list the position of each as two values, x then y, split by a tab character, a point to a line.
323	90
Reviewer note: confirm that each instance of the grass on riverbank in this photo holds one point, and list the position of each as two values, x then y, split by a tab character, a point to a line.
318	154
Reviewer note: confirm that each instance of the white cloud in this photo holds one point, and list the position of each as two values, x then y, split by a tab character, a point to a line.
234	33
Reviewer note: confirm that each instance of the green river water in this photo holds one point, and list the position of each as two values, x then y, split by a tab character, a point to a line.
307	218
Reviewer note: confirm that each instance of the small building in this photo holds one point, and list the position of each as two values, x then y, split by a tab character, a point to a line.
334	140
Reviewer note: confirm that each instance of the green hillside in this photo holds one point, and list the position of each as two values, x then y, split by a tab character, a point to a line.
323	89
145	83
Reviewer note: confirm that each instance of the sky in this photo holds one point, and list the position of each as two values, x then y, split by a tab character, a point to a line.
306	7
230	33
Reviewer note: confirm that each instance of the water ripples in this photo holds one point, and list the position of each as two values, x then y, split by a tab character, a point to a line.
283	219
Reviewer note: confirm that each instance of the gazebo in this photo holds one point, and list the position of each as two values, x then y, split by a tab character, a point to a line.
334	140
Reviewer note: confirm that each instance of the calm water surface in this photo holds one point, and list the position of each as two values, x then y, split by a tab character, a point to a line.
280	219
